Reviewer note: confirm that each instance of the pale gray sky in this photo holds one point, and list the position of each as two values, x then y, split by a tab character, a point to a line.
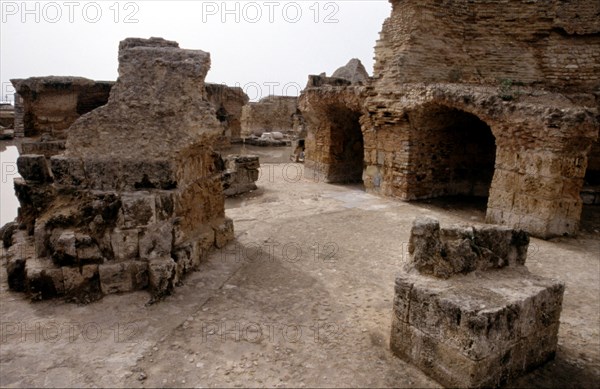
273	45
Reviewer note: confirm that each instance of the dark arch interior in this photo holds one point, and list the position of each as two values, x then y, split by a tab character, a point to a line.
452	154
347	146
590	194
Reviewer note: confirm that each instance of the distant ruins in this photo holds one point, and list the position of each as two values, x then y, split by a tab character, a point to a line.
474	99
127	205
271	114
49	105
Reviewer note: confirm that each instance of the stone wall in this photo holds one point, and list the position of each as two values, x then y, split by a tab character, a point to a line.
270	114
51	104
334	145
471	98
551	43
466	310
240	175
7	115
228	103
128	205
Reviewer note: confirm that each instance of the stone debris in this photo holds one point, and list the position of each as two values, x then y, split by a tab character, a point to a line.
467	311
127	205
241	173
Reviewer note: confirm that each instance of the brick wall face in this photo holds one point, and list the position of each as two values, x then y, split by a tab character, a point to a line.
549	43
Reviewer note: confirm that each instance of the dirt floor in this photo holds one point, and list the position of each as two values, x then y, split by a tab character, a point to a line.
301	298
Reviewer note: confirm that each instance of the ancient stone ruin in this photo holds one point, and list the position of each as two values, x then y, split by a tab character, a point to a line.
467	312
240	175
332	108
136	199
228	103
470	98
271	114
49	105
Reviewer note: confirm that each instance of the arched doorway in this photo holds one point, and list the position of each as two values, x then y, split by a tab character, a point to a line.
346	145
451	153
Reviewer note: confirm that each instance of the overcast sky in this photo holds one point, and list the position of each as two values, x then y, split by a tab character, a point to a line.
273	45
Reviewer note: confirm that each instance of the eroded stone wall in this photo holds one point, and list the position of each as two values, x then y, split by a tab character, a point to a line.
270	114
552	43
51	104
128	205
332	108
471	98
228	103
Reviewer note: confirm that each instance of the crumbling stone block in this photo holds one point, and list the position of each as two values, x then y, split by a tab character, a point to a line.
33	168
127	205
241	173
471	315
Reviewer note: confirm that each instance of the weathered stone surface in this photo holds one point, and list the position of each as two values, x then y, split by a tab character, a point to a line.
49	105
271	113
33	168
228	103
448	111
7	116
334	143
125	192
241	173
6	233
445	252
161	272
483	319
353	71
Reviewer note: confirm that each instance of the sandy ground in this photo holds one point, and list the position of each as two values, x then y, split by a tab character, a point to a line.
301	298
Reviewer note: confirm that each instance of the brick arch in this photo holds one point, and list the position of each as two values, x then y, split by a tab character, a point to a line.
451	152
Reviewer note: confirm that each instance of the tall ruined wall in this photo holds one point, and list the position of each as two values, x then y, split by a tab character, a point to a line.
272	113
549	43
136	199
496	98
228	103
51	104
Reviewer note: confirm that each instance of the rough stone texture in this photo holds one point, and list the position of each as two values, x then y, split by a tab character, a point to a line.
7	115
469	99
354	71
334	142
484	319
126	198
270	114
241	173
49	105
228	103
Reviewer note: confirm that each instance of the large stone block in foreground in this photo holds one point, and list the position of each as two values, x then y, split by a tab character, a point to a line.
479	325
136	199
